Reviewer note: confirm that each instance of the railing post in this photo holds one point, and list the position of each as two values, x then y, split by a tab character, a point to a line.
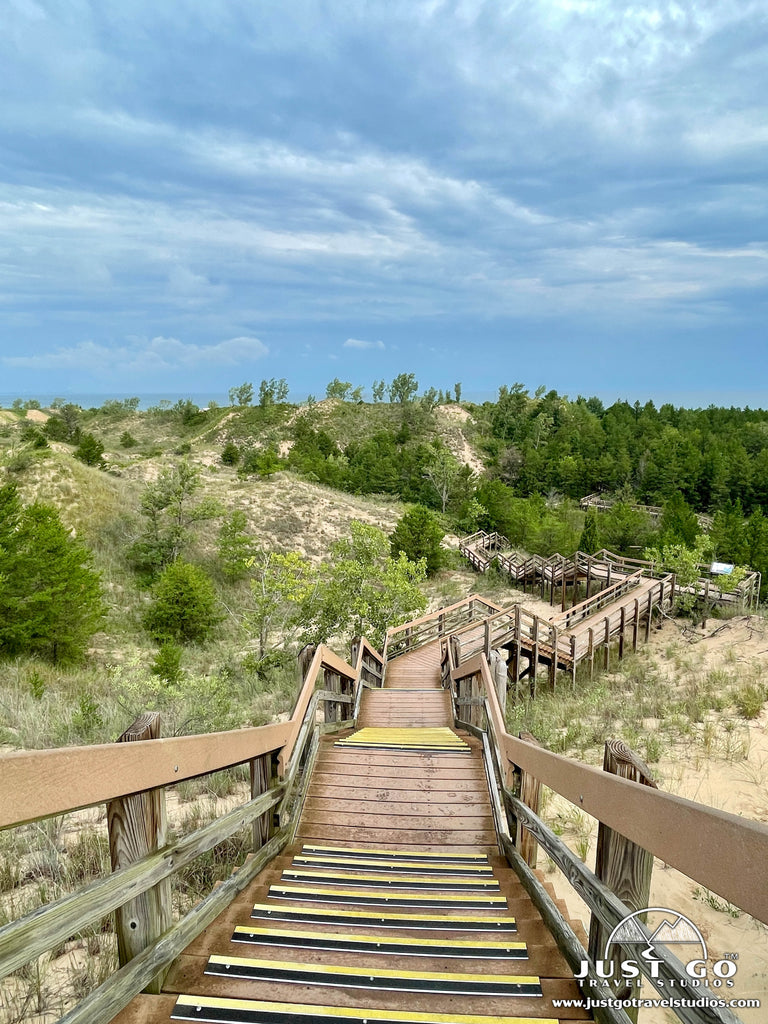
262	773
530	795
137	826
623	866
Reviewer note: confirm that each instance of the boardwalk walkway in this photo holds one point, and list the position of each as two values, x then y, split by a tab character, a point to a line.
393	903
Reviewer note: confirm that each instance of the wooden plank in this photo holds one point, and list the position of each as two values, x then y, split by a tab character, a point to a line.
669	826
315	807
612	912
372	819
32	780
137	826
399	837
561	930
27	938
112	996
530	794
623	866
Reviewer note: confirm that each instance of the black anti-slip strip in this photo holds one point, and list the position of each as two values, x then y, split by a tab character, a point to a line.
395	900
354	919
490	885
349	944
444	984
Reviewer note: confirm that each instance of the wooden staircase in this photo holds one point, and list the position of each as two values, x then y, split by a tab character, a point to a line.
393	903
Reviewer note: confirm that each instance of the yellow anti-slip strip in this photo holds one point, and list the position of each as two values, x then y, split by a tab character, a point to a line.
384	943
316	861
251	1011
367	851
371	918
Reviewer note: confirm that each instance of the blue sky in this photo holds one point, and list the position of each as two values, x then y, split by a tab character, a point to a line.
566	192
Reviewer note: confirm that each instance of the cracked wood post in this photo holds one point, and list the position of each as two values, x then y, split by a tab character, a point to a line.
621	864
530	794
137	826
262	773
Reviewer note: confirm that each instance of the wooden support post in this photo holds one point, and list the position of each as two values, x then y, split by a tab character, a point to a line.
261	779
607	653
487	643
620	864
518	646
562	570
530	794
534	656
649	616
551	584
635	623
137	826
589	575
573	662
553	659
608	581
622	626
332	708
591	653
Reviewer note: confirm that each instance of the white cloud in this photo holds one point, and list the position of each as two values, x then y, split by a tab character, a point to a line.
156	354
359	343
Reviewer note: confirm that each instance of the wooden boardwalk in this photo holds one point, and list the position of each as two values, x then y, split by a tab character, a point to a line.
393	902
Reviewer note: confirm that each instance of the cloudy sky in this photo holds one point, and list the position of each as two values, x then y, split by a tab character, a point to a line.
563	192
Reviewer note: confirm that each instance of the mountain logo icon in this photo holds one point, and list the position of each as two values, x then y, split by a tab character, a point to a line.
674	928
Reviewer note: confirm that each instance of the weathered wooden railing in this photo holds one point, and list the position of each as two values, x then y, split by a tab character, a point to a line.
130	777
402	639
482	549
369	670
721	851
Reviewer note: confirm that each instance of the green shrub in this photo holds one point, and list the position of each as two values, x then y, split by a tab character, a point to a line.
184	608
230	454
418	535
749	700
167	663
90	450
127	440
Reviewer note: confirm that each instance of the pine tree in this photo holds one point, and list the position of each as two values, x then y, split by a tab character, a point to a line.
418	535
184	607
589	542
50	596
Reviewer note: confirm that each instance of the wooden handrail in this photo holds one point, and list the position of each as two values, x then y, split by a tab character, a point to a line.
442	611
722	851
324	658
32	780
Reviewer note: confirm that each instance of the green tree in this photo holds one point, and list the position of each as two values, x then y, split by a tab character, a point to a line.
442	471
589	542
184	606
242	395
379	386
338	389
362	590
678	524
419	535
90	450
50	595
170	512
403	388
279	584
230	454
235	546
457	389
